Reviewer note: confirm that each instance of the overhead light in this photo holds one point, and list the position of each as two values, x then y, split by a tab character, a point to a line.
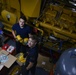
72	3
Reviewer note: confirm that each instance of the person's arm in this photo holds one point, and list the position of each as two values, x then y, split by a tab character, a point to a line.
13	32
29	65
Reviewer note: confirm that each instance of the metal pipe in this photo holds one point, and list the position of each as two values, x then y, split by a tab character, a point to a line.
63	32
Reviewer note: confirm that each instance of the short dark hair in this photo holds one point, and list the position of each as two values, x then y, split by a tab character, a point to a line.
24	18
34	37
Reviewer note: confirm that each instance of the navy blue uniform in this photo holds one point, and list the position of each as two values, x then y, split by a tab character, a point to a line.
32	56
23	32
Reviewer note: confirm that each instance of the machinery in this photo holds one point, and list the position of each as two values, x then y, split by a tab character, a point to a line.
53	21
66	63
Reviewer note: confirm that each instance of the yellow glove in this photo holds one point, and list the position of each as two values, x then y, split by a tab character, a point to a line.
21	55
21	58
18	38
25	40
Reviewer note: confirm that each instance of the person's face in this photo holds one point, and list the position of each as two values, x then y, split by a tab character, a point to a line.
31	43
21	22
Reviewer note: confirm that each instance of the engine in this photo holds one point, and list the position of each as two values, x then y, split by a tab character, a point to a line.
54	23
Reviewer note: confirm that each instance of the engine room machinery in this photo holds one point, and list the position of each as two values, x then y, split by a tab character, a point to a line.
53	21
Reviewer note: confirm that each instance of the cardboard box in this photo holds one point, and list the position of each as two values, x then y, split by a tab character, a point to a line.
10	61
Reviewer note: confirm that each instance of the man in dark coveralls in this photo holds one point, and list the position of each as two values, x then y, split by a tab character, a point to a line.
31	58
23	30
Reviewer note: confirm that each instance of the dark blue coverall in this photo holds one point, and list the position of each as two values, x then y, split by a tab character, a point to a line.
23	32
32	55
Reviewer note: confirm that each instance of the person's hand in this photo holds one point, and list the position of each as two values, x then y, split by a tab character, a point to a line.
16	39
25	41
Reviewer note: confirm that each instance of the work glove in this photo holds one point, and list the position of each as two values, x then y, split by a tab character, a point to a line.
25	41
18	38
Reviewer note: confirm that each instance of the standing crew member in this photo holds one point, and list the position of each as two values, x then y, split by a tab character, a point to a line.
31	58
23	30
